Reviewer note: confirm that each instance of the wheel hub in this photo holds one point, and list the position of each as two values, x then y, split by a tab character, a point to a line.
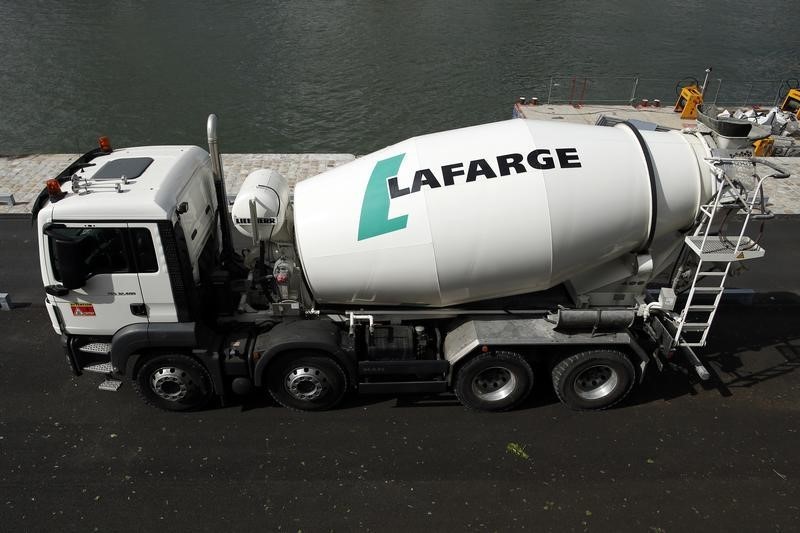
494	384
172	384
596	382
307	383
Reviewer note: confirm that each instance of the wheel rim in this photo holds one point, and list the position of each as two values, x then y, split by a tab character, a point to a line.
596	381
307	383
172	384
494	384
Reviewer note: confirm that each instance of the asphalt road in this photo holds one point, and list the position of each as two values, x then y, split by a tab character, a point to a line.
676	456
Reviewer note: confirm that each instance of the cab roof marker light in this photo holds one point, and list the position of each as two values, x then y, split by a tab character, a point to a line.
104	144
54	190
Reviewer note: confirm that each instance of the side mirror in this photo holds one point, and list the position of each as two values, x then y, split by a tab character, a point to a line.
70	261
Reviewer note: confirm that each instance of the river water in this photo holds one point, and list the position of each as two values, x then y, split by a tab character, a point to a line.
349	76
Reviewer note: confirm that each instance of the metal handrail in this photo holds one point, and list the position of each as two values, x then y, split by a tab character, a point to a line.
766	92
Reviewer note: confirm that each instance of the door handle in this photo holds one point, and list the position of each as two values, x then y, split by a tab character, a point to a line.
56	290
139	309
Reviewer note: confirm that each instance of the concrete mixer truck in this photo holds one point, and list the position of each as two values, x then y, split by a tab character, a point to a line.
482	261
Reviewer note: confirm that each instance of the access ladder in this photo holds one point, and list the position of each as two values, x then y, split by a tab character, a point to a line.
716	253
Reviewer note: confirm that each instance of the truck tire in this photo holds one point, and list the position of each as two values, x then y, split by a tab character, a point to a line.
174	382
593	380
496	381
306	382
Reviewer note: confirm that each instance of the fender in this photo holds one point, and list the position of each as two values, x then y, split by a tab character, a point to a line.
318	335
134	338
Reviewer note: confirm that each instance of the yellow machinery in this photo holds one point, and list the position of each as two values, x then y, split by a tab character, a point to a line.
690	97
763	147
792	102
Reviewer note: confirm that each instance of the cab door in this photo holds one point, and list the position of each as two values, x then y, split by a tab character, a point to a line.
151	264
111	297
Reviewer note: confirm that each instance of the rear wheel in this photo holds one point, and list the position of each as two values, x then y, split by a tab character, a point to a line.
307	382
174	382
496	381
593	380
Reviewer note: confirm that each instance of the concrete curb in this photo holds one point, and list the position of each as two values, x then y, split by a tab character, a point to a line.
23	177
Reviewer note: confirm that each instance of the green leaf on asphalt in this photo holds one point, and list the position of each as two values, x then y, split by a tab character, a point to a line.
515	449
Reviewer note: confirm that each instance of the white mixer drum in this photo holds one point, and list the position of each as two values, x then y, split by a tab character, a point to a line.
490	211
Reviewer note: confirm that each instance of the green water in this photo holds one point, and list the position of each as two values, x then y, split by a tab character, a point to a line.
337	76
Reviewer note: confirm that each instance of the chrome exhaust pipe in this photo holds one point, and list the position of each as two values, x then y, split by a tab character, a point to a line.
219	185
213	147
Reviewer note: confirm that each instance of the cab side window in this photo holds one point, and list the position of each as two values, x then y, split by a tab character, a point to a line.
145	251
104	250
107	254
110	250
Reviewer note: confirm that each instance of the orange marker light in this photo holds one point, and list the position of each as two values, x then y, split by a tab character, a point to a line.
105	144
54	189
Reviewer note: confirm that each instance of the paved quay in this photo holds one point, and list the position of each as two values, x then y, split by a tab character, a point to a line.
24	176
784	195
588	114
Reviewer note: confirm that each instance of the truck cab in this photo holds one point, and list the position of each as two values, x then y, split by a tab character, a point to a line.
127	247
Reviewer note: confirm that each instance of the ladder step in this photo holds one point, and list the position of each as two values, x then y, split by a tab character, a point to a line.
99	368
702	307
110	385
710	273
692	344
96	347
708	209
708	290
715	248
696	326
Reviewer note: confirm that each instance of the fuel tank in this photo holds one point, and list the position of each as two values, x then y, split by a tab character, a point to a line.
493	210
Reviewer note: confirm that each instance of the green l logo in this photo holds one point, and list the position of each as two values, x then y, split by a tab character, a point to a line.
375	207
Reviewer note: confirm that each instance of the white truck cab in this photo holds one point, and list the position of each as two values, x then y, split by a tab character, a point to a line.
115	217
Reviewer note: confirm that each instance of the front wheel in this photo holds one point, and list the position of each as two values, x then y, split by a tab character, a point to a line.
174	382
593	380
307	382
494	381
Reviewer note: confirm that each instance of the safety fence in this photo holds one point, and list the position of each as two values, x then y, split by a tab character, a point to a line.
579	90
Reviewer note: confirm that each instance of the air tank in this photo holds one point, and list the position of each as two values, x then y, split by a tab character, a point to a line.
493	210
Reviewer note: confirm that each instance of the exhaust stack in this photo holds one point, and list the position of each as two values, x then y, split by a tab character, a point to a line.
219	182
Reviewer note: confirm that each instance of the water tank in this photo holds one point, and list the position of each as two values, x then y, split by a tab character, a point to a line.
494	210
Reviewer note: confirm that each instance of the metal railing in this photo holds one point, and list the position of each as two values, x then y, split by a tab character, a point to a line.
579	90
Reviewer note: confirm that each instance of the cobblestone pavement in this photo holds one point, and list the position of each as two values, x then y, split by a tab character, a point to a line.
785	194
24	176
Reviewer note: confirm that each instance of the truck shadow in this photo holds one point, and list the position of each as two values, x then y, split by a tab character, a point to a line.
751	343
353	401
